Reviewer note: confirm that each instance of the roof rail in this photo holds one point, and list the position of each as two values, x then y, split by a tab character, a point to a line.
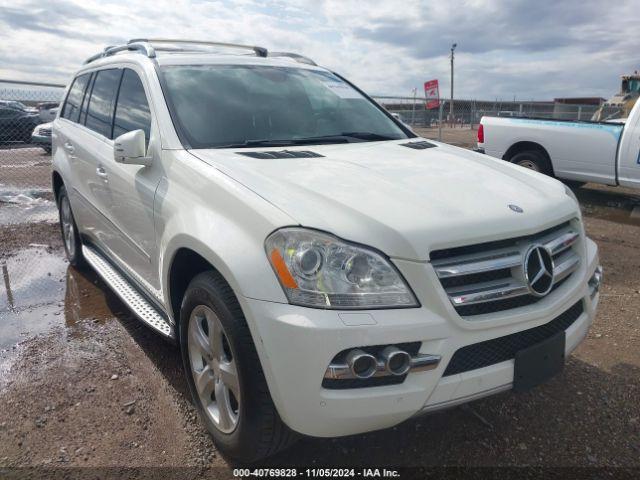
145	48
259	51
297	57
149	46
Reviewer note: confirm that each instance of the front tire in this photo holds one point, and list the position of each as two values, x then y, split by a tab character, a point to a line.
533	160
224	373
69	230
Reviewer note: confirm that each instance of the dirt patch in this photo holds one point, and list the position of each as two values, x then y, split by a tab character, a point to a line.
464	137
27	167
14	237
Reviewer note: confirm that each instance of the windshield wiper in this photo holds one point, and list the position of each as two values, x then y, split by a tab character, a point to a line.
287	143
371	136
339	138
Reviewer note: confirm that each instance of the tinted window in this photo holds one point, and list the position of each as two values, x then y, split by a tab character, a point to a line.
7	112
233	105
132	111
100	112
71	107
85	101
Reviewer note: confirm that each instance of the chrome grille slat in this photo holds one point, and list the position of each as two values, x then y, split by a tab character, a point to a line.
560	244
512	259
565	266
487	295
489	274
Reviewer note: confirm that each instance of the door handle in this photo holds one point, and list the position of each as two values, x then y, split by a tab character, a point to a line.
101	172
69	148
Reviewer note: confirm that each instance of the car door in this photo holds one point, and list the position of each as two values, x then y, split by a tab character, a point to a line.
629	152
131	188
94	149
70	151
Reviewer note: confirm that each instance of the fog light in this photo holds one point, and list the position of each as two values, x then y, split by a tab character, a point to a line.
396	361
596	280
362	364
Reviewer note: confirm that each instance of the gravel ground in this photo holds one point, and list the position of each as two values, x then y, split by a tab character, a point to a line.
84	384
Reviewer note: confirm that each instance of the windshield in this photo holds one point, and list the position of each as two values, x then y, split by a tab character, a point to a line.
245	106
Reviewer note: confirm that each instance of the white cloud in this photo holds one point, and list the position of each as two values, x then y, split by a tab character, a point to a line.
536	50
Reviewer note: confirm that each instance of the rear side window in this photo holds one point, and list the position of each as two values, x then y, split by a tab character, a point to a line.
71	108
101	103
132	110
85	103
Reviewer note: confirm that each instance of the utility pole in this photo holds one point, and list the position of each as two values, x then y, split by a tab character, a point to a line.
413	109
453	47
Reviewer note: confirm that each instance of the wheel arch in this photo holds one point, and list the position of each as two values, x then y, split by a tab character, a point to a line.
524	146
185	263
56	184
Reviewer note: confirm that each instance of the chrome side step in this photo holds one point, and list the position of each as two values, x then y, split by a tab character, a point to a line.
128	294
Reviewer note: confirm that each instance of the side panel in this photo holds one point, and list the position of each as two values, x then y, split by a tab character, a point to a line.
578	150
198	207
629	152
129	203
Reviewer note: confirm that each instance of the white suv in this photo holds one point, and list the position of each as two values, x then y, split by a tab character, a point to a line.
323	269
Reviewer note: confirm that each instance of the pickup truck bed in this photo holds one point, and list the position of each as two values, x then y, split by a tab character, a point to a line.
601	152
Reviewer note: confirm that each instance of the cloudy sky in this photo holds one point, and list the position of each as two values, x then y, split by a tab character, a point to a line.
530	49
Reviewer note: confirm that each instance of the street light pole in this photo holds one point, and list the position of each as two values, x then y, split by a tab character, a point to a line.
413	109
453	47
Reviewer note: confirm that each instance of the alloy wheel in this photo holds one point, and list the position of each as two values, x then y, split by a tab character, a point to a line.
68	230
531	165
214	369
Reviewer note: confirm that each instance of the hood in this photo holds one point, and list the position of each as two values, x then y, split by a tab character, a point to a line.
403	201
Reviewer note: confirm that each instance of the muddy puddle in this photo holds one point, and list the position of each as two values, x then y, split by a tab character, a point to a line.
26	205
40	291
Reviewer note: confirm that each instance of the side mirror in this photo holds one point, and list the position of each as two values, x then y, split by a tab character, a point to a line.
130	148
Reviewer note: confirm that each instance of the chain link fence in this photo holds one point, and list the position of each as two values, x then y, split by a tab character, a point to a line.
456	122
28	214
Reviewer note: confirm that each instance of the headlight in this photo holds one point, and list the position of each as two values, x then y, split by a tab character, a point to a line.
319	270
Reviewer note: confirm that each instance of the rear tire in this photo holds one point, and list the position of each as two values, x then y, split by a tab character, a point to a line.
232	397
69	230
533	160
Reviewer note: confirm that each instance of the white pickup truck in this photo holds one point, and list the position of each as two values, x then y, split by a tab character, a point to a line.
581	151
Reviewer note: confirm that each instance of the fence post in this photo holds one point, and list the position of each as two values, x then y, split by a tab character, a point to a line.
580	112
440	109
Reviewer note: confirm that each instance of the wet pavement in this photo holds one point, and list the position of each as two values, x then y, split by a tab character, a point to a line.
103	389
21	205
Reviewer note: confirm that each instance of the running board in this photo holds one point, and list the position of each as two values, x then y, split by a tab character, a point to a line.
128	294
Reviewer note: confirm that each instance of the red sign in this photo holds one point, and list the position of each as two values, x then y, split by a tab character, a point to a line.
432	94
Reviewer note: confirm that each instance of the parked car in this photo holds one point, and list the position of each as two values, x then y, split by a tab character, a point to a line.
580	151
47	111
323	269
16	125
41	136
17	106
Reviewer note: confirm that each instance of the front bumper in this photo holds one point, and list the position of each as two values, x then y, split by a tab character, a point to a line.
296	344
41	139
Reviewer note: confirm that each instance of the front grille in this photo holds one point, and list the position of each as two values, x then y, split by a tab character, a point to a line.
45	132
490	277
504	348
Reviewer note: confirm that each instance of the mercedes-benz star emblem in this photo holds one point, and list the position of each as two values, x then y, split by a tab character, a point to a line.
515	208
538	270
